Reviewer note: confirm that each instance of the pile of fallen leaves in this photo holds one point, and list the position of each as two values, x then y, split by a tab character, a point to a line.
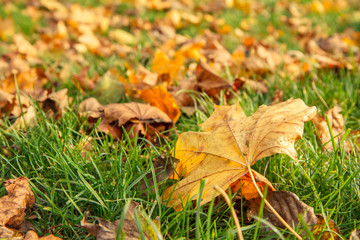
161	85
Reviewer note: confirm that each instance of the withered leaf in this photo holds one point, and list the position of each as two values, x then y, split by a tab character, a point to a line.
162	99
288	205
54	104
209	81
337	125
321	230
231	143
136	118
13	205
31	235
242	82
164	167
355	235
106	230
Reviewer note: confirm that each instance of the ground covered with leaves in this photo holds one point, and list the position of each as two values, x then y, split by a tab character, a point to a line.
136	119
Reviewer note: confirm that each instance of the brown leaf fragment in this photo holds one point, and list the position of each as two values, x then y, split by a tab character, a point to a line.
55	103
321	230
256	86
26	120
106	230
135	118
13	205
288	205
81	79
164	167
31	235
209	81
355	235
337	125
91	108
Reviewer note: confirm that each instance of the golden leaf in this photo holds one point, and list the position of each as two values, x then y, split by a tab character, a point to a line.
231	143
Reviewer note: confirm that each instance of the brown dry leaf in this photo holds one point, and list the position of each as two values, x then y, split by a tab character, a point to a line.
288	205
230	143
13	205
135	118
31	235
355	235
26	120
6	102
55	103
242	82
84	81
321	230
106	230
164	167
337	125
209	81
159	97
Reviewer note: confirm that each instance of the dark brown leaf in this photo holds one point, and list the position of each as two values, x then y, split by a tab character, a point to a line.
288	205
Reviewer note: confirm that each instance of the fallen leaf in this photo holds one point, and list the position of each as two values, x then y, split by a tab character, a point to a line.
256	86
31	235
355	235
289	207
337	125
247	188
321	230
106	230
159	97
26	120
13	205
164	167
230	143
135	118
54	104
209	81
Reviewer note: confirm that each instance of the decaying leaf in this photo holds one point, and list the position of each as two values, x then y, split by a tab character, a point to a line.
54	104
242	82
230	143
321	230
164	167
337	125
355	235
106	230
209	81
13	205
162	99
288	205
135	118
31	235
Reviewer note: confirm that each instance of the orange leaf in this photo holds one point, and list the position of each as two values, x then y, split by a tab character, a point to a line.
159	97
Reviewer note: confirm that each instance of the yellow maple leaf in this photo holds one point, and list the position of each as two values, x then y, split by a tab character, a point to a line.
230	143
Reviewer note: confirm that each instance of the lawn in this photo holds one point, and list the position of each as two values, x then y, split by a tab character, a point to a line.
183	58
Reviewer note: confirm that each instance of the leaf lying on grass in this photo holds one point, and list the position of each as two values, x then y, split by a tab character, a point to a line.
355	235
106	230
231	143
337	126
288	205
12	209
135	118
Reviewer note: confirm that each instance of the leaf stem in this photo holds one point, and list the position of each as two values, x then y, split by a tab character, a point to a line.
272	209
236	220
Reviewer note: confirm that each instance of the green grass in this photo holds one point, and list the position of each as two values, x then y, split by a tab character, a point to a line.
67	182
